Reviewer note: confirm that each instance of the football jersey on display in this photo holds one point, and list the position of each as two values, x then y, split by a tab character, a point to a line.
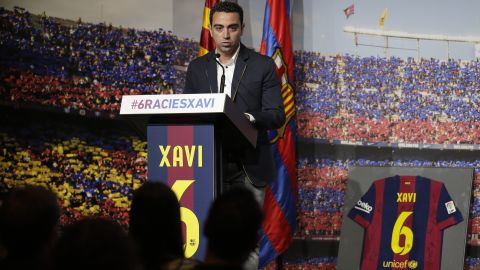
404	218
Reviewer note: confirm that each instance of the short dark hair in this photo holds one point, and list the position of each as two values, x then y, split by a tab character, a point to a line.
155	223
233	224
94	243
227	7
28	219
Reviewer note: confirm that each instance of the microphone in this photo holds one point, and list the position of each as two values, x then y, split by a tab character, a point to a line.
222	80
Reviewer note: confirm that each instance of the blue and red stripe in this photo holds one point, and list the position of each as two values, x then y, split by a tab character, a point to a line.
198	196
280	197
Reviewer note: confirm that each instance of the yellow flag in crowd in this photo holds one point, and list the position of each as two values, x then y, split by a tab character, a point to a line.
384	15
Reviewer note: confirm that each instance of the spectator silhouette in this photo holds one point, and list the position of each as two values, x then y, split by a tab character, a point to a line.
232	230
155	226
28	224
94	244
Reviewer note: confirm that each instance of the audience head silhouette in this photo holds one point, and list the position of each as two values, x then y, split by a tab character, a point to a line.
28	224
94	244
155	224
232	227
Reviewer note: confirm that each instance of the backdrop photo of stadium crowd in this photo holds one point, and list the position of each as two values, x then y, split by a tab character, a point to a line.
369	99
92	167
390	100
87	66
49	62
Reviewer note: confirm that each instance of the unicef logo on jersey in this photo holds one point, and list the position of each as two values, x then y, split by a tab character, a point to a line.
364	207
406	264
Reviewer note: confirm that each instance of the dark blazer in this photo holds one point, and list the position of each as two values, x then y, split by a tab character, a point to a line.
255	90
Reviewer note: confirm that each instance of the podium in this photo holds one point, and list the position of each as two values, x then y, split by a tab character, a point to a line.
187	136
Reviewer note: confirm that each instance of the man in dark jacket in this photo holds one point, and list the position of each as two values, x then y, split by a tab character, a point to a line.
252	84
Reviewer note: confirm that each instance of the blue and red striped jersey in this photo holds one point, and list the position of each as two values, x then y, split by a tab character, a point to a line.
404	218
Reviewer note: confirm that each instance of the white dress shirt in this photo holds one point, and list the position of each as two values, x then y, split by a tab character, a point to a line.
229	69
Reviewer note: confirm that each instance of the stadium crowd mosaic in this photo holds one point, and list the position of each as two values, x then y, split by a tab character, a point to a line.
76	66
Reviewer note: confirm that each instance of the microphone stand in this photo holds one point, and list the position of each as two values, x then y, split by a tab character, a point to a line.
222	80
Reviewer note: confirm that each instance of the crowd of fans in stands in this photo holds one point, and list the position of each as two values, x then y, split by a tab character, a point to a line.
83	66
393	100
373	99
312	263
74	64
472	263
93	172
353	128
110	55
377	87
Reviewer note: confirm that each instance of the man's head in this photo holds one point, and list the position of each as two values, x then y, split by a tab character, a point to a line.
232	226
28	220
94	243
226	27
155	222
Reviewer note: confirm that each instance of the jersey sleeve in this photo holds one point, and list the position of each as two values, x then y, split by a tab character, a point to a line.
362	212
447	212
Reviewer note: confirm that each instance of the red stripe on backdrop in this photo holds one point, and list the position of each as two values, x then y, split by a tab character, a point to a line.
276	232
373	235
279	223
181	136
